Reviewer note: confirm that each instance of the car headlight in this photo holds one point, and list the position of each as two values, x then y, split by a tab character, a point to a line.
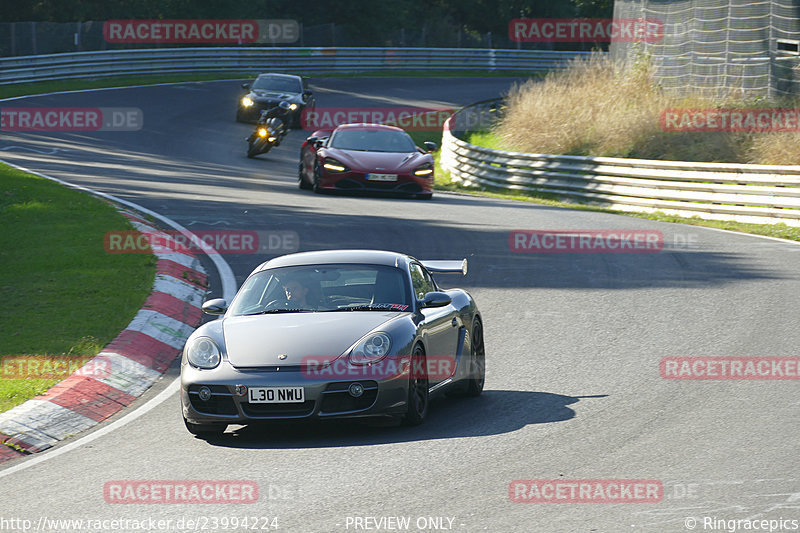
203	352
292	107
424	170
371	349
333	165
247	102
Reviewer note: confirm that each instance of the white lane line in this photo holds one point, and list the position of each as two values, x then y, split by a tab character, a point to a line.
121	87
732	232
228	291
44	152
151	404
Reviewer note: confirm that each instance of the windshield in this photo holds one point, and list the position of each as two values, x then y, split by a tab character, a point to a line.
278	84
323	288
373	141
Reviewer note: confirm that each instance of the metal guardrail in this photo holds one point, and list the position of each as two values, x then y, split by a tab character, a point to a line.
250	59
746	193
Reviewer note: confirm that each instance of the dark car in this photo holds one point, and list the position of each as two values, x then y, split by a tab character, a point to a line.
367	158
269	90
333	334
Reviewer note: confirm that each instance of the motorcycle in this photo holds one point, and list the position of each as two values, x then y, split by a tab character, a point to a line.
269	132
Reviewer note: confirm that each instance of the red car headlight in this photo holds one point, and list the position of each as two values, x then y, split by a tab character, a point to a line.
334	165
424	171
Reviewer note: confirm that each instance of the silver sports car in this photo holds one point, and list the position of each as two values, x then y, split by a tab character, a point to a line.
338	333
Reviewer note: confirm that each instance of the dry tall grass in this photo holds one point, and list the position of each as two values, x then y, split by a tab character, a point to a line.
598	108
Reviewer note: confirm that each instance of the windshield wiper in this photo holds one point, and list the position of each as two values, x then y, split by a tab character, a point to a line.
276	311
369	308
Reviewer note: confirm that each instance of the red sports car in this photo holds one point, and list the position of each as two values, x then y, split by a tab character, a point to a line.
368	158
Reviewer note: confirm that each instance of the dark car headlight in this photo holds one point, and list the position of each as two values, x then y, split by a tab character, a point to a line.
424	170
247	101
371	349
334	165
203	352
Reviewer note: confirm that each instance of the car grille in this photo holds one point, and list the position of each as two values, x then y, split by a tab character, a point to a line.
349	184
337	399
220	403
255	410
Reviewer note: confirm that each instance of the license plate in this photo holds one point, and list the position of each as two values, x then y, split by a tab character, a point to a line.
276	395
381	177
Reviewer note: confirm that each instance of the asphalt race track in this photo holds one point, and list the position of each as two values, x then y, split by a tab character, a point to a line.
574	341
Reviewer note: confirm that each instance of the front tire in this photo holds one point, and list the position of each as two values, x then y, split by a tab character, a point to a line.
301	181
317	174
417	390
252	151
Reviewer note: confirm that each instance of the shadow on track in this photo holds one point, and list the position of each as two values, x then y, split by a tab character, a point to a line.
495	412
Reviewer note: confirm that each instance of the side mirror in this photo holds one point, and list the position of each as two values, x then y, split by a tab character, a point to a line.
435	299
217	306
307	93
312	140
430	146
245	86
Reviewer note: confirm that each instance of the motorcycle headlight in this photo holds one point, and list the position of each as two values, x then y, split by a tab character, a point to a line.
371	349
333	165
247	102
292	107
203	352
262	132
424	170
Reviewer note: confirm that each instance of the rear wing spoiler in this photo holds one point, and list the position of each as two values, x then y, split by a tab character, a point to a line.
446	267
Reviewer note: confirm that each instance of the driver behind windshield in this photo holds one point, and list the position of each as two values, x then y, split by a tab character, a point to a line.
301	293
296	294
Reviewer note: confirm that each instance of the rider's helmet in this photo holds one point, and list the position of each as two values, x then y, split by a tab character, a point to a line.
286	106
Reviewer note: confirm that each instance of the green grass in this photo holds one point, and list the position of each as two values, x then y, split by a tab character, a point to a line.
420	137
66	294
487	140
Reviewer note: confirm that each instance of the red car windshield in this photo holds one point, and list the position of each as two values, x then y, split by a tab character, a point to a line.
373	141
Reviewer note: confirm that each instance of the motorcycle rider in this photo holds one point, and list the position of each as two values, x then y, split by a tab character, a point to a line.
281	113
